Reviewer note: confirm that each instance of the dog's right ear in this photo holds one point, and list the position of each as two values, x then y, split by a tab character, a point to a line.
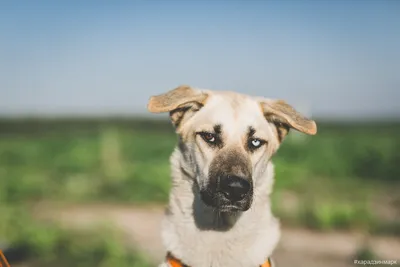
181	103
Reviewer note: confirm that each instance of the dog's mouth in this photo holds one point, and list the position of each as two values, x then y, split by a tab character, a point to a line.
230	209
220	203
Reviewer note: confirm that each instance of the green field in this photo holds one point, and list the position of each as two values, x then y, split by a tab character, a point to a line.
342	178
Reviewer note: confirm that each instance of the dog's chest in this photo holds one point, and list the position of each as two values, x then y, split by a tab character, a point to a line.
219	250
241	247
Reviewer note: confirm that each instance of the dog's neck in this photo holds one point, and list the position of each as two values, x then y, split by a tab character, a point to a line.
200	236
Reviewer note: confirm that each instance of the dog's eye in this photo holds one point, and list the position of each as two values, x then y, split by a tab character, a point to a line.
208	137
255	143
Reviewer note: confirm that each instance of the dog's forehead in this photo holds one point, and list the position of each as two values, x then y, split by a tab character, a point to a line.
233	102
233	111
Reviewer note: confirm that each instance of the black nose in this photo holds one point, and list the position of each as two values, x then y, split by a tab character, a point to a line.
234	188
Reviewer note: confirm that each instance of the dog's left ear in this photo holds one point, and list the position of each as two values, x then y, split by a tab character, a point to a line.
284	116
181	103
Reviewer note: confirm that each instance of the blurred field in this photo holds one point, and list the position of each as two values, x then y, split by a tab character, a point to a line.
347	177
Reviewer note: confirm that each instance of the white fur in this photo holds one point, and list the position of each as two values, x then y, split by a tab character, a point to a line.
254	233
248	244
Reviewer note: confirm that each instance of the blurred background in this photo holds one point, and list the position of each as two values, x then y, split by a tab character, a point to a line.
84	167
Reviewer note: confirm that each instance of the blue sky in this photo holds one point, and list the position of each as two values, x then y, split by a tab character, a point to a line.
328	58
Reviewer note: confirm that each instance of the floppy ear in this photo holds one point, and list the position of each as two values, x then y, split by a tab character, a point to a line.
285	117
181	103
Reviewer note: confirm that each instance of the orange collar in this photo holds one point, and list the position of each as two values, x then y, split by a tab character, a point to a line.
174	262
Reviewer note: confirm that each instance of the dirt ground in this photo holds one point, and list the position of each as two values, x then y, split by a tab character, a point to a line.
298	247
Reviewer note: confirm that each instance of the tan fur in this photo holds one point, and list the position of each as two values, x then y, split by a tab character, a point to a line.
178	102
279	110
175	98
192	230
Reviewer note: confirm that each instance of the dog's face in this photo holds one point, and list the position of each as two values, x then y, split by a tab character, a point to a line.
228	139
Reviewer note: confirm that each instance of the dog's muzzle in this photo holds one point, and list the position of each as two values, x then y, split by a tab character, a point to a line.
228	193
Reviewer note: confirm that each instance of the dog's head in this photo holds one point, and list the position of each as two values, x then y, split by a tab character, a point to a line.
229	139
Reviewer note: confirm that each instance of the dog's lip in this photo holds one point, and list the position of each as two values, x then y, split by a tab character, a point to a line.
222	205
229	208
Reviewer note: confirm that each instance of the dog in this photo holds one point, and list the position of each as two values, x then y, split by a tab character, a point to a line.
219	210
